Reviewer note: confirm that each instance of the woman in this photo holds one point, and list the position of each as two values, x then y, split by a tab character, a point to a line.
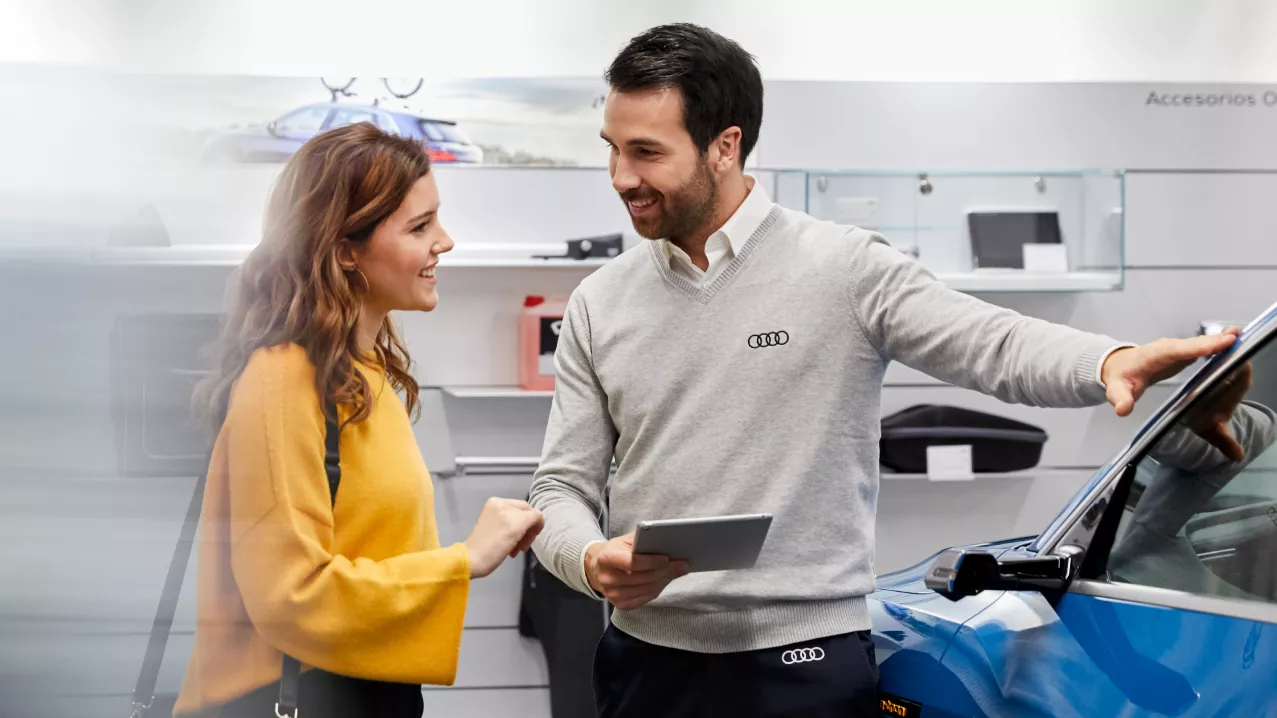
353	585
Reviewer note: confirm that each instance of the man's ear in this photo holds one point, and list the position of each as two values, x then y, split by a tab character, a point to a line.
727	145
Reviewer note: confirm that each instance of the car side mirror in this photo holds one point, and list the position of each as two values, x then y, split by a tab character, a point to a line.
270	127
958	573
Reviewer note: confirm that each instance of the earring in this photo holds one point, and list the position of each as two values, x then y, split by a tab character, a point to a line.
361	276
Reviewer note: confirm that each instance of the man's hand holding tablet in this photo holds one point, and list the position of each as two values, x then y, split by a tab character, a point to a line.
632	570
626	579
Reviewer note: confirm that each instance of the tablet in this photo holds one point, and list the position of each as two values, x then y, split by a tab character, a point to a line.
716	543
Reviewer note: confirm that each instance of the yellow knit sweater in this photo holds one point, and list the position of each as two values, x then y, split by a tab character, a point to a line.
360	588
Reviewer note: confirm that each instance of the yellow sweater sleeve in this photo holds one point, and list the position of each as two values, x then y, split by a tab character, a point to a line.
398	619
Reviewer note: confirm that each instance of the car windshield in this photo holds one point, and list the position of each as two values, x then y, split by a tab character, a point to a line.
443	132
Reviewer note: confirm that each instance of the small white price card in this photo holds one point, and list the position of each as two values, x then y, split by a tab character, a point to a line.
1046	258
949	463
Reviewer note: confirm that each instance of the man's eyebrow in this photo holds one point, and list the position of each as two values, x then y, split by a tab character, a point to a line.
636	142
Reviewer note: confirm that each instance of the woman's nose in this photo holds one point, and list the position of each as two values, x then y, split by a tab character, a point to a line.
445	244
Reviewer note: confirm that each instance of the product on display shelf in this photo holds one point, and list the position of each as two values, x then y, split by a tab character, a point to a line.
603	246
998	237
539	325
996	443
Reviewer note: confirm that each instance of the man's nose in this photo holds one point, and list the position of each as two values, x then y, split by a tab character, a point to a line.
624	178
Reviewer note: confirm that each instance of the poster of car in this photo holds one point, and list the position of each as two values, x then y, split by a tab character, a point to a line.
249	120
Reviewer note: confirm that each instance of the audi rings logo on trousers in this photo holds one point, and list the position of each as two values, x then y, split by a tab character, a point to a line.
768	339
802	655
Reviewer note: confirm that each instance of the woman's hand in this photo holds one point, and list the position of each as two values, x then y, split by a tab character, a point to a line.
506	527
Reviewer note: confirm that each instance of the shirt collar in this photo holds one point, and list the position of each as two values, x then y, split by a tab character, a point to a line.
741	225
747	218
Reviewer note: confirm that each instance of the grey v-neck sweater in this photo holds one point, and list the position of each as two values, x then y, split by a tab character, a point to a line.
760	392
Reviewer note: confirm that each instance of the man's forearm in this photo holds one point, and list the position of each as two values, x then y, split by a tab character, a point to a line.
913	318
569	528
579	444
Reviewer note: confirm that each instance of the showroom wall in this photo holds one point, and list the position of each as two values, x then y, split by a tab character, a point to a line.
982	87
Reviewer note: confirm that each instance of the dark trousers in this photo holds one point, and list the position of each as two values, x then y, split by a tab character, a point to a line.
834	676
323	694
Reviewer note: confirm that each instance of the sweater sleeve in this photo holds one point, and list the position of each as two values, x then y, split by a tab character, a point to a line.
580	441
397	619
912	317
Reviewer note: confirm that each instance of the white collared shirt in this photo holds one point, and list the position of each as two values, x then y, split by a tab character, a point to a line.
725	243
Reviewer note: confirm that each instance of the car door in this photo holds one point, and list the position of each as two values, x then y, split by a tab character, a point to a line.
1173	611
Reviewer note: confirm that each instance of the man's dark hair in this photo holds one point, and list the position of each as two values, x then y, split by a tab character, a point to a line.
719	81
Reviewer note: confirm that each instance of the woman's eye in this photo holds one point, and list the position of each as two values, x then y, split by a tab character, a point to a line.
420	228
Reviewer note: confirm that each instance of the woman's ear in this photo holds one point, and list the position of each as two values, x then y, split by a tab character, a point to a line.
347	257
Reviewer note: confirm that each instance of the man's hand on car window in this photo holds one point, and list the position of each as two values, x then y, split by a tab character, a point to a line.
1129	372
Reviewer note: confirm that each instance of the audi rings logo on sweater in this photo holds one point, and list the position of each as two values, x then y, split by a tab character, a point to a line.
802	655
768	339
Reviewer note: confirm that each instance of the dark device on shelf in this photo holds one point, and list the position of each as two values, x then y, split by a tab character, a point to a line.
997	444
998	238
155	364
607	245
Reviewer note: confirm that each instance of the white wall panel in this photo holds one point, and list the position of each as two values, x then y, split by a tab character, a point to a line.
500	657
1008	125
494	600
998	40
917	518
1201	219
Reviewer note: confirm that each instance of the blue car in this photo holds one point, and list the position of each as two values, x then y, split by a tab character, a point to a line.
1152	593
279	139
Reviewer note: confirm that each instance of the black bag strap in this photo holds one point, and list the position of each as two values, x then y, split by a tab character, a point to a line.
144	690
290	672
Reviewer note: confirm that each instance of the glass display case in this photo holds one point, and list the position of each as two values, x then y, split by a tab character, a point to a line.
1021	231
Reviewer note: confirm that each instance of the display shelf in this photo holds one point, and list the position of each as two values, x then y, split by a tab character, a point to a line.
961	224
234	255
977	282
528	464
886	475
495	392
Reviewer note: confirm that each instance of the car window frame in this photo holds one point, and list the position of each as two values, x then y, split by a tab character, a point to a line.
426	127
387	122
323	123
332	116
1091	523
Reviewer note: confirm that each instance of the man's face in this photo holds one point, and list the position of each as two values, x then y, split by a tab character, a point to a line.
665	182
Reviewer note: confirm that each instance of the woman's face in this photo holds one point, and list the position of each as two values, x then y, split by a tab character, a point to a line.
398	260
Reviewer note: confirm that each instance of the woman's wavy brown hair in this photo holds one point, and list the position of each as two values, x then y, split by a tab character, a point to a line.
340	185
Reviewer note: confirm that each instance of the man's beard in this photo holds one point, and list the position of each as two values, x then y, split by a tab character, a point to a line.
682	212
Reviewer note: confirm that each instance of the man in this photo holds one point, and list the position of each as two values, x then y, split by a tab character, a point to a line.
655	368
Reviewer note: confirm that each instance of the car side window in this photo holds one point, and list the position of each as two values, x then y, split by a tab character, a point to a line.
433	133
1201	513
349	116
303	123
388	124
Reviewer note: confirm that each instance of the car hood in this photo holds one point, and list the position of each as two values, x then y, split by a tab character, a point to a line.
910	580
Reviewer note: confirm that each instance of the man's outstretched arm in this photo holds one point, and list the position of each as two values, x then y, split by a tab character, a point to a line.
912	317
